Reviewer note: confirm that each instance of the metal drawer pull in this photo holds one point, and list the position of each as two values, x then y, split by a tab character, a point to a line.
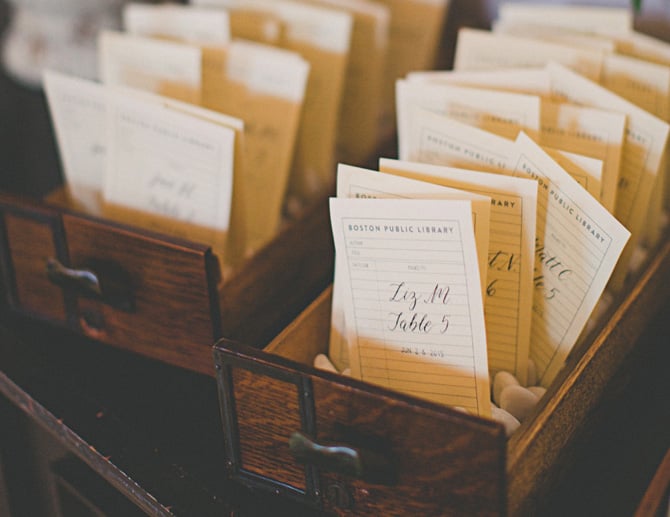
108	283
358	463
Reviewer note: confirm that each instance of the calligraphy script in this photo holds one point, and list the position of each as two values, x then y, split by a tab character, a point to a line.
411	320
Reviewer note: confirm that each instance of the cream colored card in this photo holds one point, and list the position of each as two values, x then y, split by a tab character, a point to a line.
579	18
509	281
182	22
653	50
586	171
358	133
644	146
175	169
266	87
415	37
412	298
77	110
354	182
230	248
323	37
645	84
532	81
578	129
478	49
164	67
441	140
578	244
498	112
598	133
643	46
555	34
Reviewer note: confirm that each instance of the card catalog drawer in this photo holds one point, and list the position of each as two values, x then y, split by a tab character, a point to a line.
446	462
352	449
155	295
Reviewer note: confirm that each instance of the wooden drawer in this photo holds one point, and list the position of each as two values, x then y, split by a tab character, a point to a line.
398	455
158	296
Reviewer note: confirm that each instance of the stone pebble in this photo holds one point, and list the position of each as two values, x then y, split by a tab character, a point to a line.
501	380
322	362
509	421
518	401
539	391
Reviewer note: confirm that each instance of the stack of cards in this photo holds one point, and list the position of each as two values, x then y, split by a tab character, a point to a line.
145	159
308	79
356	50
564	130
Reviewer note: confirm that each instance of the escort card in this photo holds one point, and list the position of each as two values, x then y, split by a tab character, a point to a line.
186	23
440	140
579	18
555	35
586	171
643	150
598	133
171	164
77	109
577	245
412	298
509	281
533	81
355	182
484	50
502	113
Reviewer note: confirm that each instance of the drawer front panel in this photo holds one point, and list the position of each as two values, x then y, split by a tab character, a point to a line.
362	450
31	237
168	308
443	464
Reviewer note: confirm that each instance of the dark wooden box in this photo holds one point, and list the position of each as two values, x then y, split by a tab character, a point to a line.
398	455
158	296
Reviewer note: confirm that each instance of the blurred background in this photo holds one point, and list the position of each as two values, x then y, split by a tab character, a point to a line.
28	156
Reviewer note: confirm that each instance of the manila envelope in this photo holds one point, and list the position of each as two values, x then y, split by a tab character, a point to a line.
415	36
256	26
265	87
322	36
358	132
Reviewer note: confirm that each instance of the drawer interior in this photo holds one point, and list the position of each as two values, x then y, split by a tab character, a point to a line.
536	446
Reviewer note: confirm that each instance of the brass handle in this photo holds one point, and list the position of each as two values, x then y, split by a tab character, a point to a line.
104	282
358	463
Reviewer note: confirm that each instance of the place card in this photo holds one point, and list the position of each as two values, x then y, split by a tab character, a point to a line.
412	298
508	296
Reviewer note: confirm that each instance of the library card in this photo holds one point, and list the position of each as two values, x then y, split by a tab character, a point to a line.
509	281
577	246
412	298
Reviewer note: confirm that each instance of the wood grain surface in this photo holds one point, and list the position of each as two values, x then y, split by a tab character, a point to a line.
172	320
